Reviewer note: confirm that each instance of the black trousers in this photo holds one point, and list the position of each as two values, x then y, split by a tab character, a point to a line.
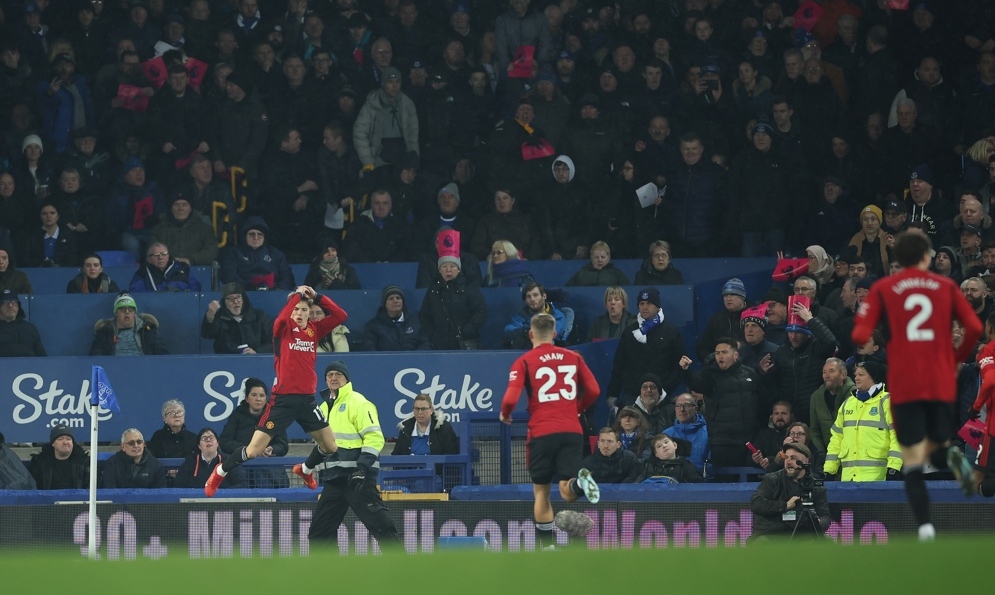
336	499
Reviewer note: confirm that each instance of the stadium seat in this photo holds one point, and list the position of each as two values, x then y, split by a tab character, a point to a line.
117	258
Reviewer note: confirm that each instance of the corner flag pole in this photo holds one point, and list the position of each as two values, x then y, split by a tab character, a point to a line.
101	396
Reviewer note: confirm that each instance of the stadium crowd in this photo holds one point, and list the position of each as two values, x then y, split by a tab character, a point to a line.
455	132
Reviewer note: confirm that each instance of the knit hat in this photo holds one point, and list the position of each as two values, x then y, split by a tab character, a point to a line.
866	282
798	328
875	369
59	431
8	295
649	294
447	245
85	131
338	366
461	6
776	294
389	291
735	287
651	378
232	288
763	128
240	80
589	99
133	162
450	188
546	74
871	209
923	173
32	139
756	314
124	301
566	55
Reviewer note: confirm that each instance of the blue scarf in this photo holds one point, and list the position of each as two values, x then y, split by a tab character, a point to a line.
511	273
646	325
862	396
627	439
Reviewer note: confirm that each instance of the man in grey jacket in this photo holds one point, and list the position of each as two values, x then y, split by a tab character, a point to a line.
387	125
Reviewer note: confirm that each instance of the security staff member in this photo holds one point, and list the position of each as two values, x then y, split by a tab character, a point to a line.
350	475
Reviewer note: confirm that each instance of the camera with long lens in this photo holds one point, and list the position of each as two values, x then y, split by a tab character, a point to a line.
809	483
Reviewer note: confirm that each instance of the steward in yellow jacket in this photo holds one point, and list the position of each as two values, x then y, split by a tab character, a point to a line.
862	439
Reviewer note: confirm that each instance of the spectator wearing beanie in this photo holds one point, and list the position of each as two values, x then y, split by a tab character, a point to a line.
234	325
394	328
453	311
62	464
755	345
190	238
777	315
726	322
872	243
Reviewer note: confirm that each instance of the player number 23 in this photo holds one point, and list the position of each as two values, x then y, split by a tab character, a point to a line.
563	374
914	330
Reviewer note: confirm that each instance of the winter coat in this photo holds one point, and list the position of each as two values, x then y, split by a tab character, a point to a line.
820	415
678	468
452	314
760	193
621	467
58	110
588	276
44	466
442	439
240	132
20	338
648	275
694	205
66	249
240	427
149	341
192	238
516	332
121	471
133	209
195	471
384	334
367	132
263	268
601	327
769	503
255	329
80	284
660	355
368	242
516	227
797	373
175	278
164	444
722	324
732	402
15	280
695	432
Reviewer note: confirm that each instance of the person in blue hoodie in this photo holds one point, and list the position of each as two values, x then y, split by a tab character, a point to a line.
253	263
133	207
162	272
690	425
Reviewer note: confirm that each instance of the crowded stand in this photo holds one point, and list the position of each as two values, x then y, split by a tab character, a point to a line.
445	170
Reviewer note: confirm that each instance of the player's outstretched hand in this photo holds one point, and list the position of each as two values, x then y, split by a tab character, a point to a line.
505	420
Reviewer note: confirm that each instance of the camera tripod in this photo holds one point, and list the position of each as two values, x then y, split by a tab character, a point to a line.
807	513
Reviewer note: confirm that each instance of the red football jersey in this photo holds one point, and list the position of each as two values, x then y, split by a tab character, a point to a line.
295	349
918	308
986	366
559	386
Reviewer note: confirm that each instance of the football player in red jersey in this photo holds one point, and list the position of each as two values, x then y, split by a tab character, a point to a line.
295	350
985	474
560	387
919	307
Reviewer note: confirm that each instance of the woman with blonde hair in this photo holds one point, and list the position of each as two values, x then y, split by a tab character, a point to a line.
599	271
505	266
616	317
976	163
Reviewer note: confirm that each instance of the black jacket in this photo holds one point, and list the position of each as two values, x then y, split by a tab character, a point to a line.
622	467
384	334
769	503
679	468
731	402
442	439
74	475
452	313
121	471
194	471
722	324
797	373
164	444
647	275
239	428
660	355
255	329
20	338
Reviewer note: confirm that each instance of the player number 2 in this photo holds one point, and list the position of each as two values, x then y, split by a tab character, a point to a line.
914	330
552	376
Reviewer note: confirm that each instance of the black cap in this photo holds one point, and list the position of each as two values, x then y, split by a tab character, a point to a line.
337	366
875	369
894	207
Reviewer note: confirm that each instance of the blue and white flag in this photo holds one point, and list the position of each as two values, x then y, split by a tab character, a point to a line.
101	391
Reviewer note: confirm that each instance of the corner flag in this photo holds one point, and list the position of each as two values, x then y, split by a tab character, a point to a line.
101	391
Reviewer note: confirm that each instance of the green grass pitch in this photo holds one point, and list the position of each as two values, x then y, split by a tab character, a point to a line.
901	566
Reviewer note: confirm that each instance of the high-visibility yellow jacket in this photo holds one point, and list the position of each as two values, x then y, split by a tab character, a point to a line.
356	425
862	439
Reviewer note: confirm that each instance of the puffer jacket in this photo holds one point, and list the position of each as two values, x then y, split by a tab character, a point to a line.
588	276
695	199
678	468
453	312
255	329
385	334
367	132
442	439
621	467
731	401
149	340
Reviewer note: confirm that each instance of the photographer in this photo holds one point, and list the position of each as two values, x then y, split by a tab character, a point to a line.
783	498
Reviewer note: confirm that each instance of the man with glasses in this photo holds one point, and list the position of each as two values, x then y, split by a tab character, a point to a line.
133	467
162	273
235	326
691	427
808	287
197	467
128	333
173	440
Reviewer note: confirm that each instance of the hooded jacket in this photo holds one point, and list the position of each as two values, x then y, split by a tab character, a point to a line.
240	427
149	341
176	277
695	432
192	238
121	471
263	268
442	438
452	313
20	338
382	333
255	329
367	132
